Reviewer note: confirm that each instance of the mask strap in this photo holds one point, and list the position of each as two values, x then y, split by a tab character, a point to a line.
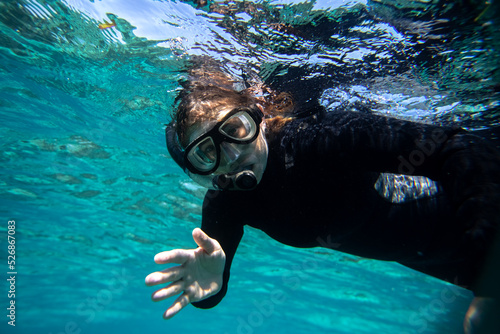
173	145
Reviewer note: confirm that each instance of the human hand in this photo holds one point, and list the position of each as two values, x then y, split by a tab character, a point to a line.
198	277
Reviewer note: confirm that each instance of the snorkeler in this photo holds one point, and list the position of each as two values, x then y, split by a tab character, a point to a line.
309	181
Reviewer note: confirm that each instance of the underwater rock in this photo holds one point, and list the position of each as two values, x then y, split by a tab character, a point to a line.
110	181
89	176
65	178
82	147
44	145
134	179
22	192
138	180
142	206
77	146
179	207
154	221
77	238
31	180
139	239
139	103
87	193
193	189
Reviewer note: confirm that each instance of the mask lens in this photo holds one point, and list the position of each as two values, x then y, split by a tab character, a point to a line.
203	156
240	127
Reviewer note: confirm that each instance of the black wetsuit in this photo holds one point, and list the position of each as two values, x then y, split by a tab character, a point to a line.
318	190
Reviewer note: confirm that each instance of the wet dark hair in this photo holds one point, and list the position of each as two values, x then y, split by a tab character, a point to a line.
210	91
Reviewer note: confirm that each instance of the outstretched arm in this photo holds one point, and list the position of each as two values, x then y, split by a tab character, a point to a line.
198	277
219	222
203	273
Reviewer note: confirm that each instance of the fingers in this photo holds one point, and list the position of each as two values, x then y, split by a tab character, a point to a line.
179	256
167	292
164	276
178	305
208	244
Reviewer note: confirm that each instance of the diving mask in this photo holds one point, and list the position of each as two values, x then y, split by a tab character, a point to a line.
202	157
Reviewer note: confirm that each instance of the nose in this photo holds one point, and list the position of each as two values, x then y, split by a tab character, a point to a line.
230	152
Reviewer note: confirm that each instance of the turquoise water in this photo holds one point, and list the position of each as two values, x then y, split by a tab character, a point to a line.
94	194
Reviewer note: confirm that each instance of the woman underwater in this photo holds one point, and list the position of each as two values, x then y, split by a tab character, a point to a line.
309	181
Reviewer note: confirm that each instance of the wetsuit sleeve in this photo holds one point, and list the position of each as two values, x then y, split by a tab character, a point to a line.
217	223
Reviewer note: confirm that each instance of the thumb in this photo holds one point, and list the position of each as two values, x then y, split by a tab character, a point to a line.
208	244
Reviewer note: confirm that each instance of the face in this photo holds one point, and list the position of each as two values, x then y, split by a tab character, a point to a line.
234	157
